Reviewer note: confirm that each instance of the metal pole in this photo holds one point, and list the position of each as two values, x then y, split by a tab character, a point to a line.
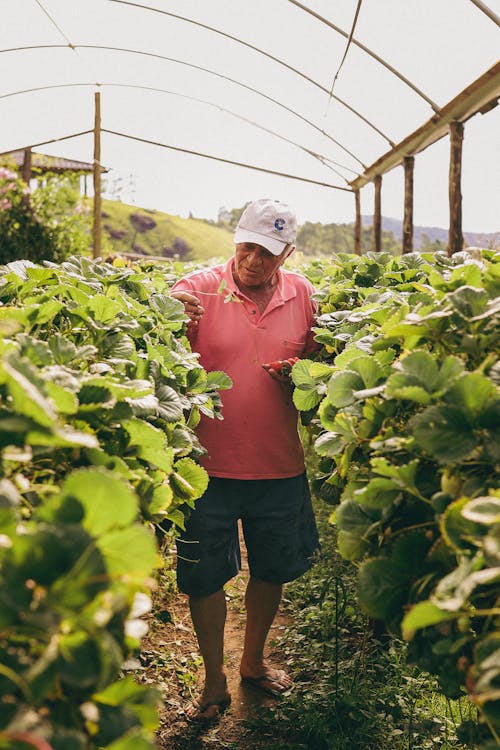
357	226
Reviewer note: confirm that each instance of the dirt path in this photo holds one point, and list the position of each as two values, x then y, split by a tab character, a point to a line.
175	665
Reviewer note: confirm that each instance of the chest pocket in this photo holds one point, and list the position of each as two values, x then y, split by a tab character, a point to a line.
291	348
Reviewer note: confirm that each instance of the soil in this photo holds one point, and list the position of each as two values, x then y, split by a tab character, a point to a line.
175	666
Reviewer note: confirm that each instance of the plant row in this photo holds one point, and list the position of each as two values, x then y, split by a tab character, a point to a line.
404	408
99	397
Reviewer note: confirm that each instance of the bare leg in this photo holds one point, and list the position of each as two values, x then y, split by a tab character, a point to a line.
209	616
261	600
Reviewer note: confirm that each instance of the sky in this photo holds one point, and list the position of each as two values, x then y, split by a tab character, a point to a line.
218	96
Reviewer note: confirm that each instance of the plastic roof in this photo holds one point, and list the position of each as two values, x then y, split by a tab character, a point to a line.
245	81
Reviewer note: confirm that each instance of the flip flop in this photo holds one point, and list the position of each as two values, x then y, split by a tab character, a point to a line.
200	709
267	683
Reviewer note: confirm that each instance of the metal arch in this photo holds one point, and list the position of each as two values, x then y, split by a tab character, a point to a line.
368	51
196	67
228	161
261	52
324	160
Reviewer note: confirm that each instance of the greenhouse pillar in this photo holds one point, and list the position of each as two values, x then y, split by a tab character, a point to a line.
377	214
357	225
409	163
26	173
96	230
455	236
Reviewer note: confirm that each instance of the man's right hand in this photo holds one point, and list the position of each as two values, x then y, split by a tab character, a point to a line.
192	306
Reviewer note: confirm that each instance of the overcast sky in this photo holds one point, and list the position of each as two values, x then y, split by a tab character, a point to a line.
249	108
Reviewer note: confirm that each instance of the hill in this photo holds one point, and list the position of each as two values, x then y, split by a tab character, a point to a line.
128	229
424	235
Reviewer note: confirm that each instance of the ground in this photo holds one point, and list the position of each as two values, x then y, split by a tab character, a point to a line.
172	661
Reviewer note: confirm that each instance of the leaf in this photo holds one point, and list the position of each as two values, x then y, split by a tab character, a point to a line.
381	590
444	432
379	493
351	546
342	386
484	510
103	308
129	551
460	533
473	393
21	380
149	443
107	501
329	444
422	615
169	403
194	479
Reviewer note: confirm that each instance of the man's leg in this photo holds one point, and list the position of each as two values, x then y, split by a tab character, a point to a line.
261	600
209	616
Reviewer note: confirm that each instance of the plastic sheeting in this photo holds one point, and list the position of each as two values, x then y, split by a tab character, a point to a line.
253	88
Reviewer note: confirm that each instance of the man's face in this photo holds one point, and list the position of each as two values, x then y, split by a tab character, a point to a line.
254	265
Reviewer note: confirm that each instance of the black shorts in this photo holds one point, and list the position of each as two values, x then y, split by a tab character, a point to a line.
278	525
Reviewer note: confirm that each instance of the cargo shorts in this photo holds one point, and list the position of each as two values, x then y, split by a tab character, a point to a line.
278	526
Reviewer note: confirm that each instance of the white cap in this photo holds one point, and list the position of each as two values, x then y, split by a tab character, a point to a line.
268	223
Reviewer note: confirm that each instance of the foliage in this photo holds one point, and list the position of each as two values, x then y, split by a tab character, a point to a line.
99	397
325	239
172	235
48	223
404	408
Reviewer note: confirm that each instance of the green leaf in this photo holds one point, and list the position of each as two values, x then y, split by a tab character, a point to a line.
108	502
381	589
329	444
194	479
149	443
217	380
460	533
129	551
104	308
342	386
169	403
351	546
422	615
21	380
473	393
379	493
485	510
444	432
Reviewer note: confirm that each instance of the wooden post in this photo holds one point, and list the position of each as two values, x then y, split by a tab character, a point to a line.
455	236
26	172
96	229
409	163
357	225
377	214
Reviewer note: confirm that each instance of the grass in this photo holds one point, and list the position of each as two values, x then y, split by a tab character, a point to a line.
202	239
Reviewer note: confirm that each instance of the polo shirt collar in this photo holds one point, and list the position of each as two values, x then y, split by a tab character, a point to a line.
284	291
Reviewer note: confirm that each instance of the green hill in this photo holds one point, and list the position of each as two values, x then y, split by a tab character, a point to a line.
128	229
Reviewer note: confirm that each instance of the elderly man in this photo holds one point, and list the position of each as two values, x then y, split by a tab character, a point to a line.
245	317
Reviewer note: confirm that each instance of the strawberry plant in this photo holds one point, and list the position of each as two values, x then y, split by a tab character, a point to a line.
405	409
99	397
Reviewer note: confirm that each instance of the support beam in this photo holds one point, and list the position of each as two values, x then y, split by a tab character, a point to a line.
357	225
455	236
96	229
481	96
26	172
377	215
409	163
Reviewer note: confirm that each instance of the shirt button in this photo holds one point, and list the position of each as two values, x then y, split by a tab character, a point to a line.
254	312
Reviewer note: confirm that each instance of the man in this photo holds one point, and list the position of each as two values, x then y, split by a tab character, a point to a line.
244	315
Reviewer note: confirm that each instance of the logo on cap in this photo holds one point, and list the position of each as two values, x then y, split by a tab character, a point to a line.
279	224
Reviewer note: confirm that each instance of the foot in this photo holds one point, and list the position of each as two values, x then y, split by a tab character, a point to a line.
271	681
211	704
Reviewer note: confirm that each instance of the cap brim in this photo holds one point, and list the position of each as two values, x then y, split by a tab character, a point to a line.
245	235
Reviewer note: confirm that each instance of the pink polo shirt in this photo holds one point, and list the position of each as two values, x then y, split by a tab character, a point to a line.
258	437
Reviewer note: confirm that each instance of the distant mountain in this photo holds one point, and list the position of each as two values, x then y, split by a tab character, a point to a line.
477	239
